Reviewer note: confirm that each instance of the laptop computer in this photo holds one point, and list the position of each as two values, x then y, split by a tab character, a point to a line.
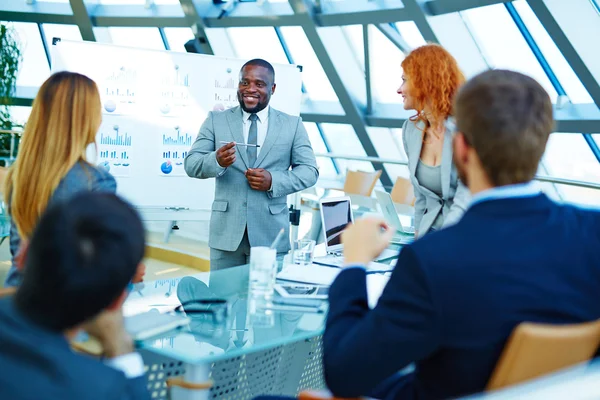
388	209
336	214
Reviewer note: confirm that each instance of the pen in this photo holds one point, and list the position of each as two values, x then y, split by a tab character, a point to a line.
242	144
277	238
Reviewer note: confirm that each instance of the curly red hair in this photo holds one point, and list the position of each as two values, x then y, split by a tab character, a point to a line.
433	78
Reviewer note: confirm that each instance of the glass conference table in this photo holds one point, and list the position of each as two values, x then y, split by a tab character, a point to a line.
244	353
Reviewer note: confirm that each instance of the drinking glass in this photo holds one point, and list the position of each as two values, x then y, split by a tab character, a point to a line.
303	251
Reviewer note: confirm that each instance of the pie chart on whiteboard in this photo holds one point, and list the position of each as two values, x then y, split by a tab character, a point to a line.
166	167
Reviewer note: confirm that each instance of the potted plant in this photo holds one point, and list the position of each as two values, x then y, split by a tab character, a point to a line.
10	60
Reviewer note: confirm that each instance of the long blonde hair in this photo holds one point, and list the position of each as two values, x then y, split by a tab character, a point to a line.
65	116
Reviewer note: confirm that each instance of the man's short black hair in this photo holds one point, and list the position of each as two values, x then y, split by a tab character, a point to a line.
82	255
261	63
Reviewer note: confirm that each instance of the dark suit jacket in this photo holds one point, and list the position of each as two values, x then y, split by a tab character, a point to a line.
456	295
39	364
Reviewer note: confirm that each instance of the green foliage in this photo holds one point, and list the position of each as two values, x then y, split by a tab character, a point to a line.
10	60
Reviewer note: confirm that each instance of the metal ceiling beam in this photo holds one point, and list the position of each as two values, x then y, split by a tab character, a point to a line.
138	16
194	20
572	118
43	13
418	15
566	48
250	15
356	12
394	37
439	7
354	116
368	83
82	20
323	112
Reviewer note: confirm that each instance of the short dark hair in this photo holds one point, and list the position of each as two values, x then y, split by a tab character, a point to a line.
261	63
507	118
82	255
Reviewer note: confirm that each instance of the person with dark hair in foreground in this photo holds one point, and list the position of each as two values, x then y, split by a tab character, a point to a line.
456	295
82	255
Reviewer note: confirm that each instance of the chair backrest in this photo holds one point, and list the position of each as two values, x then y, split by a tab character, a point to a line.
534	350
360	182
403	192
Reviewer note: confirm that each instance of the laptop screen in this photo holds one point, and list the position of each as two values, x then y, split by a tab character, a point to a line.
336	216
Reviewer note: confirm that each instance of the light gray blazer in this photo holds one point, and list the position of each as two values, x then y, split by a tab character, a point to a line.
236	206
455	195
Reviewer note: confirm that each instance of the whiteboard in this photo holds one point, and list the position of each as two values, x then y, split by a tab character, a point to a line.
153	105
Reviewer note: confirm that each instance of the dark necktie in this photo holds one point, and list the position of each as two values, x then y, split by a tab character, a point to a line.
252	151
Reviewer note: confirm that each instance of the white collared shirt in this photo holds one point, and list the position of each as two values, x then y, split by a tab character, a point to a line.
528	189
262	124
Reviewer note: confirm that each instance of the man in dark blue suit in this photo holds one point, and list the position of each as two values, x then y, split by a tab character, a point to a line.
77	266
455	295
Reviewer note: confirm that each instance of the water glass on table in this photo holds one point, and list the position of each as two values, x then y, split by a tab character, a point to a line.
263	270
303	252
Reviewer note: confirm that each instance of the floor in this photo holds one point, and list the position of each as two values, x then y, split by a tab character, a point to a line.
155	269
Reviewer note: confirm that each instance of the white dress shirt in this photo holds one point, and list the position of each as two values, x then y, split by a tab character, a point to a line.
528	189
262	124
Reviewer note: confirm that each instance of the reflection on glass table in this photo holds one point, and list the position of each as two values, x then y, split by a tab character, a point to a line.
224	323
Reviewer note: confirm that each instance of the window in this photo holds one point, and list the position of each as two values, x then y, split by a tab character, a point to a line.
453	32
131	2
147	38
178	37
220	42
19	114
569	156
386	73
343	45
388	144
264	44
410	33
34	68
343	141
354	39
503	45
326	167
565	74
315	80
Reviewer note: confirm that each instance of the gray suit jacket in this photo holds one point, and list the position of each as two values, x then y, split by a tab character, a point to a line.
236	206
455	195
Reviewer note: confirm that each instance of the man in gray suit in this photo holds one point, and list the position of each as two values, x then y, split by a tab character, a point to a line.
252	170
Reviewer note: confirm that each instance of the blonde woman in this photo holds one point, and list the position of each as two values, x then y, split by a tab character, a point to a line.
51	165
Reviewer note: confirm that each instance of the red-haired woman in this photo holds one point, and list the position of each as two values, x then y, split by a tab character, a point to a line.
430	80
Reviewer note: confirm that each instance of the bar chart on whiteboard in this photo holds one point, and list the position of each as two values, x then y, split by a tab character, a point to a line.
118	91
174	92
174	146
114	150
225	90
